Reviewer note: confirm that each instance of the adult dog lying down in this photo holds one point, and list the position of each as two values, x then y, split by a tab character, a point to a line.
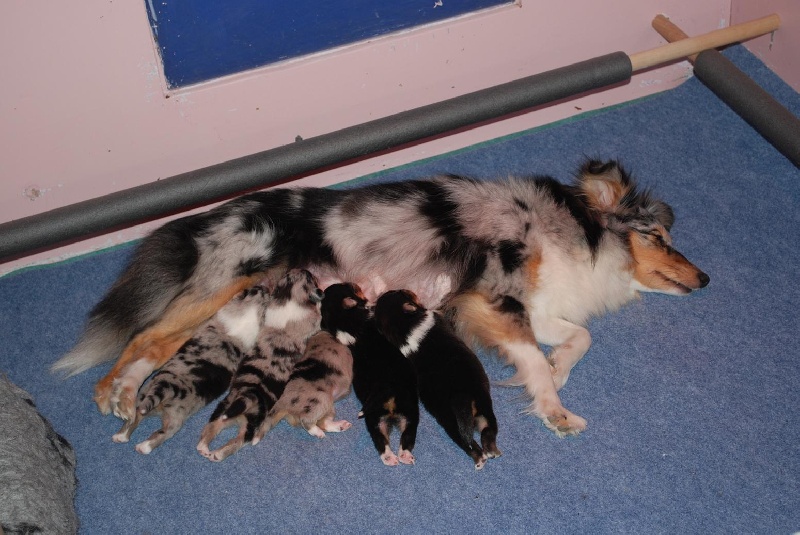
513	263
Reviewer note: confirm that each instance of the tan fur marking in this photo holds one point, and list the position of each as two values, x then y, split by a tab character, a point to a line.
655	266
390	405
532	266
159	342
477	319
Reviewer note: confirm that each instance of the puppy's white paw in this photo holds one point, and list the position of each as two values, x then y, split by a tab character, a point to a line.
405	457
389	458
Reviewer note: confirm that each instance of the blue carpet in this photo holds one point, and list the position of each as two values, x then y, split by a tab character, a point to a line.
692	402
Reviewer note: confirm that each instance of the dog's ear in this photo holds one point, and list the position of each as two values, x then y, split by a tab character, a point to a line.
662	212
603	184
349	303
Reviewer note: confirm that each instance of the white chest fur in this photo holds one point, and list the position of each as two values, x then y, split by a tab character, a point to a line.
244	325
279	317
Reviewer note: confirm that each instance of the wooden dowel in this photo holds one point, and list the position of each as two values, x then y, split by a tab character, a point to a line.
670	32
744	96
693	45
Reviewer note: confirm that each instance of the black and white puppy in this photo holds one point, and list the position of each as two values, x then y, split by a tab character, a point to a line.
383	380
453	385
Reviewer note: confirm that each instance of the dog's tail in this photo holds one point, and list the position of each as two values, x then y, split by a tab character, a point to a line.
157	273
273	417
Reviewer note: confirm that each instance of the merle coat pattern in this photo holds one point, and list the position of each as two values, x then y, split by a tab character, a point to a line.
321	377
291	317
201	370
515	262
453	386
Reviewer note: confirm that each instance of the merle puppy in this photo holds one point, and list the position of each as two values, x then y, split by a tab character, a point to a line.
201	370
321	378
383	380
291	317
453	385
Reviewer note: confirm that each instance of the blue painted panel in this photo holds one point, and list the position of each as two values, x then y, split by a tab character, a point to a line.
204	39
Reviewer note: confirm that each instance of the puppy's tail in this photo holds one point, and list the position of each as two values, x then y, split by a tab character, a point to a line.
273	417
157	273
154	394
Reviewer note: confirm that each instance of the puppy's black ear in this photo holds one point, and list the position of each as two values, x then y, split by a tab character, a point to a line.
349	303
409	308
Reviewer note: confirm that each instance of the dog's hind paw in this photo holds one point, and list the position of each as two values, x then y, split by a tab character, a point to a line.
102	395
121	437
123	401
336	426
480	462
389	458
144	447
315	431
405	457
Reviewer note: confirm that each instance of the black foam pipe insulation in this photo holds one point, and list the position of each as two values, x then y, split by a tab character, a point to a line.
220	181
766	115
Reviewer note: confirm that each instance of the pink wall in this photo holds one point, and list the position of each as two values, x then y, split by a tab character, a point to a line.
84	110
781	51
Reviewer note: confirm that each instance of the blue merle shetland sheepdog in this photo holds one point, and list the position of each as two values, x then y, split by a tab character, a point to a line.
514	263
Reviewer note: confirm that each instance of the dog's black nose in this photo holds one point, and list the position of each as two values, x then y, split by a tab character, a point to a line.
704	279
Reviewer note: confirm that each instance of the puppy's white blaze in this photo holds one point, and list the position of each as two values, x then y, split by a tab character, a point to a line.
279	317
345	338
243	325
418	334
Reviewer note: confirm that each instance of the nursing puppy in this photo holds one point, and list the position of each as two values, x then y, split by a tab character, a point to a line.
201	370
321	377
525	261
383	380
292	315
453	386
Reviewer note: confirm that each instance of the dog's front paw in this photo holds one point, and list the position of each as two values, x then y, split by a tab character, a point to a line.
564	423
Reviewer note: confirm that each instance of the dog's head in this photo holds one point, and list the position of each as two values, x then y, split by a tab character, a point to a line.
645	223
397	312
344	308
300	286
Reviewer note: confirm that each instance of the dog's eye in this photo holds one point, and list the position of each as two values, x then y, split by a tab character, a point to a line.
655	238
